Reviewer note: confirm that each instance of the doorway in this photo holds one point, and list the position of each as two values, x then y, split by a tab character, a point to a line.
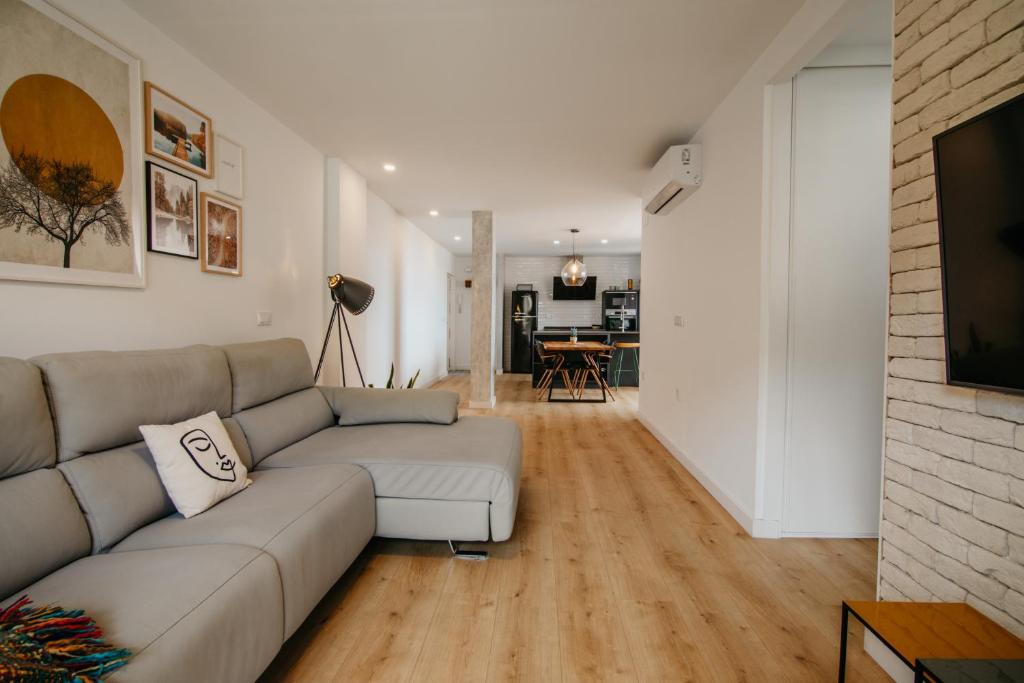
838	269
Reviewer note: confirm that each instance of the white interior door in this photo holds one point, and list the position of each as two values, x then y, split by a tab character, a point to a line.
450	301
839	255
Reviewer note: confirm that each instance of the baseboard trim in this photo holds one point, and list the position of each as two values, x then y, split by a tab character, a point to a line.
431	382
890	663
767	528
731	506
830	534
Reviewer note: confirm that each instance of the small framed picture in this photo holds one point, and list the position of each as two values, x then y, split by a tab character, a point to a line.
230	169
172	212
178	133
220	235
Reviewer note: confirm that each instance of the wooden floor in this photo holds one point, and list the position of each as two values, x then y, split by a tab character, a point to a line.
621	567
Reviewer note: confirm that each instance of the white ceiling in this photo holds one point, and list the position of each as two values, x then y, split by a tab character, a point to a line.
548	112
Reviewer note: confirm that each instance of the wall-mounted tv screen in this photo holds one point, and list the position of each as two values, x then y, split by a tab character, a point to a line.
979	171
586	291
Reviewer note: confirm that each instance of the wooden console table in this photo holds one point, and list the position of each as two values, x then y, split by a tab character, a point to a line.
930	630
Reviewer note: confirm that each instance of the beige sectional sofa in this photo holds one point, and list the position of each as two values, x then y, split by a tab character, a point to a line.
86	523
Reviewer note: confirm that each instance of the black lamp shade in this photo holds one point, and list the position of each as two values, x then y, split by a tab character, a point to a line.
355	295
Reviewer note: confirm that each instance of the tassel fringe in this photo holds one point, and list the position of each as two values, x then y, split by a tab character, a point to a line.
52	644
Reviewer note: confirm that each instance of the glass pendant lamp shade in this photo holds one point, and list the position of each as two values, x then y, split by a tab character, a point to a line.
574	272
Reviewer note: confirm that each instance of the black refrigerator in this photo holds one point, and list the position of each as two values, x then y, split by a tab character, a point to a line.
524	322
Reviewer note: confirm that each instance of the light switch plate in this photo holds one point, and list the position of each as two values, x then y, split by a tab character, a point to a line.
677	321
264	318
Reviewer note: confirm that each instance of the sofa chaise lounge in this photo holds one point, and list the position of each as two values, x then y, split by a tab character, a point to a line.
86	523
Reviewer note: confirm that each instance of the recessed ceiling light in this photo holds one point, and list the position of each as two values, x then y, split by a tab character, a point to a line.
458	238
434	213
390	168
604	241
556	242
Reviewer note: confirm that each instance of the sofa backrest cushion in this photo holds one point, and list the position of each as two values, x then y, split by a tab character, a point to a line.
41	528
26	429
272	426
265	370
99	398
119	491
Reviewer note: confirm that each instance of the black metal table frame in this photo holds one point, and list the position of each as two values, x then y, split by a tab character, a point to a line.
845	626
919	671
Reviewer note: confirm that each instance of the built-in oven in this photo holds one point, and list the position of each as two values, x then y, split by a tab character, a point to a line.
616	321
621	310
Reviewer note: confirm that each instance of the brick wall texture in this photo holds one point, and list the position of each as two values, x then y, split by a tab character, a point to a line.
952	516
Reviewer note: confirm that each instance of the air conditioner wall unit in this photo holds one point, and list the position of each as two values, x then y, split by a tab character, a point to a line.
675	177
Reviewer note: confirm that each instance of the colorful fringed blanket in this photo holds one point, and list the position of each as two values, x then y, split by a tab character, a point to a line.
52	644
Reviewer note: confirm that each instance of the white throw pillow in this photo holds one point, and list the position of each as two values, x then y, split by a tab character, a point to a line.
197	462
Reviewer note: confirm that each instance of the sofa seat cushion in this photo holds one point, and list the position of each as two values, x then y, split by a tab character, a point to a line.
477	458
313	521
203	613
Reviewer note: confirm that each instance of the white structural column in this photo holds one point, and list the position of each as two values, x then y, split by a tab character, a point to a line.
481	345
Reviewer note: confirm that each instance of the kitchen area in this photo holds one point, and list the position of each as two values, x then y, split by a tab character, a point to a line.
602	313
537	306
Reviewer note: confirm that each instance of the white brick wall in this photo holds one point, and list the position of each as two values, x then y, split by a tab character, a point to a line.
609	270
952	517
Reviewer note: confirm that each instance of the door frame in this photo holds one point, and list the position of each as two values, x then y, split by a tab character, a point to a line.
776	210
449	344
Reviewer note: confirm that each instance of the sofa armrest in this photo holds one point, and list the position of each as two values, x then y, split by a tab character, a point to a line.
359	406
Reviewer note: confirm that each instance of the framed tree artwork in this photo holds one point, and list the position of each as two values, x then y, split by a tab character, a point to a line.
178	133
172	212
71	185
220	235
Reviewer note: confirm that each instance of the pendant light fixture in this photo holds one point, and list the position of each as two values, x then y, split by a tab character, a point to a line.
574	272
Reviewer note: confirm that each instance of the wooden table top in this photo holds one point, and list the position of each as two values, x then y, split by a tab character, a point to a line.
560	346
947	630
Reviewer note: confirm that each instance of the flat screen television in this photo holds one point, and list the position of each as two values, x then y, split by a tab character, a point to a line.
586	291
979	172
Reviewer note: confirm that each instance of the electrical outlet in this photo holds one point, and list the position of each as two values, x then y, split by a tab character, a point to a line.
677	321
264	318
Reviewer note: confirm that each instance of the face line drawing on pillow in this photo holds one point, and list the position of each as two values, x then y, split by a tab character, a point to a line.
207	457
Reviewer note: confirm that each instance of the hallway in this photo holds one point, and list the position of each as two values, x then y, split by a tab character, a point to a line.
621	567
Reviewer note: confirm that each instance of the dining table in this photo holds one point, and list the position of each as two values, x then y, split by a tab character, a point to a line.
576	382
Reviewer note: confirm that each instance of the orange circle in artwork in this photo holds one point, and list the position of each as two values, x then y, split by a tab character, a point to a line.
54	119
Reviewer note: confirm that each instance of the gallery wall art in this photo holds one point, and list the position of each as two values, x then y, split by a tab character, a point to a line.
172	211
71	159
220	235
178	133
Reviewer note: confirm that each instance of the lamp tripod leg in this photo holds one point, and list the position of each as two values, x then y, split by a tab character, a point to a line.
351	345
327	339
341	343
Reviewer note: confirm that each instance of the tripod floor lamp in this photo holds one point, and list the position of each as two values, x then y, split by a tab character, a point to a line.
354	296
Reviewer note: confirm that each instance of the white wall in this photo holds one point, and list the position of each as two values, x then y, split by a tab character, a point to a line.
407	321
283	210
700	382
